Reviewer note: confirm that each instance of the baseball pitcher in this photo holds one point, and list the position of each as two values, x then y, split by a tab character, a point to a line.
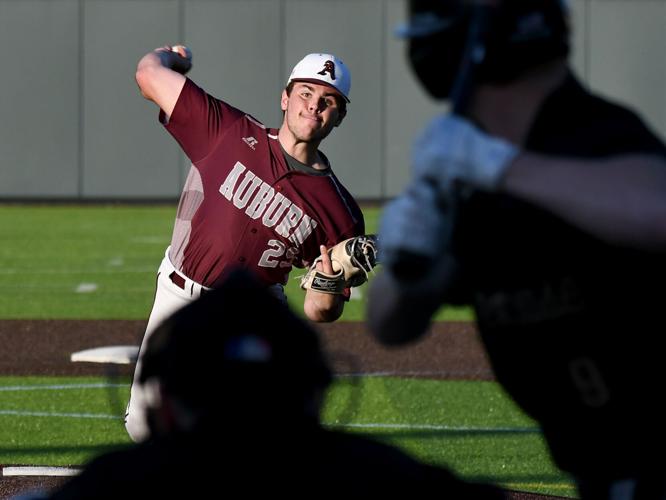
258	198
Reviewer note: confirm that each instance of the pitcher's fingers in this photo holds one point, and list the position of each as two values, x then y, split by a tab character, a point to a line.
326	264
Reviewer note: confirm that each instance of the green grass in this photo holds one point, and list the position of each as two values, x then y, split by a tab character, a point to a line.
49	252
111	253
99	262
472	428
56	425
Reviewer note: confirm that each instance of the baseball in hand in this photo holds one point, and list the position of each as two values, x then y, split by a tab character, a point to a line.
183	63
182	51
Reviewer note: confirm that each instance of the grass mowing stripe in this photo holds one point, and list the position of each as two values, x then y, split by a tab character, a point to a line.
18	413
536	486
140	270
406	373
430	427
369	425
59	387
72	287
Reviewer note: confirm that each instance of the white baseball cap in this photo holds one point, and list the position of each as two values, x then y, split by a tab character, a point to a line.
323	68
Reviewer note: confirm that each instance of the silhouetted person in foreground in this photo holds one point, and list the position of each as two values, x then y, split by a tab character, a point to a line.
542	205
236	381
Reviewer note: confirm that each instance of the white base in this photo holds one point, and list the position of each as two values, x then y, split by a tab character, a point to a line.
39	471
119	354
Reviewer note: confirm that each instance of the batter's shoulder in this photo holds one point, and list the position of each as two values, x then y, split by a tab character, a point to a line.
576	121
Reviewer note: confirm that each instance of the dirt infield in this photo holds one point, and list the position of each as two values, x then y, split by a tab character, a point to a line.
43	347
449	351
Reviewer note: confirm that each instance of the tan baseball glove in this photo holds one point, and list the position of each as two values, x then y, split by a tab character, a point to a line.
352	259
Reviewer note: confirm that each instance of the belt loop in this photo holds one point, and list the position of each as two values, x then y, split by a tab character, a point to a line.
177	279
181	283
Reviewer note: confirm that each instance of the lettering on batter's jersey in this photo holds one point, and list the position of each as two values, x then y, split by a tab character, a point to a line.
247	191
548	301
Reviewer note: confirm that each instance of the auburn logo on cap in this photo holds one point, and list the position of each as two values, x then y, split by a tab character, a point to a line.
329	68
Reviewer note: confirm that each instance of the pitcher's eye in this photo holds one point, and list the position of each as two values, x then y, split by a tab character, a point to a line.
330	102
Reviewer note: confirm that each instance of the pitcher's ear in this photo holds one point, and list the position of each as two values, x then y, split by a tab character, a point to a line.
284	101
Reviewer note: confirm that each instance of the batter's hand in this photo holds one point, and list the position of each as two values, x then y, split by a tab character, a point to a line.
414	230
451	149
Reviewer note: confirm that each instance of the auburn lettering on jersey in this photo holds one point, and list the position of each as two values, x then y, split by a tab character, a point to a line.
255	194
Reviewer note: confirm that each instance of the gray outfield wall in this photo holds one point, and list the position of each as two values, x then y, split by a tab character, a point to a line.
73	125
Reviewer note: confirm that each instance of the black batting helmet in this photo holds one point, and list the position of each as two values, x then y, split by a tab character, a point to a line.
520	34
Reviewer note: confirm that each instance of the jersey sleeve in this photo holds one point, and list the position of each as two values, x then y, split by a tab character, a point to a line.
199	120
352	214
356	228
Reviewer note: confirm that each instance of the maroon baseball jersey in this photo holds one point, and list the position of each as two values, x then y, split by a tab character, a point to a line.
242	205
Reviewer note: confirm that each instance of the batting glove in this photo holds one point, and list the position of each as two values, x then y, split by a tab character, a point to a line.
451	149
414	230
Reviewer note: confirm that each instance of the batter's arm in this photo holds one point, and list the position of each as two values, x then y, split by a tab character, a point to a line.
400	310
160	75
619	199
323	307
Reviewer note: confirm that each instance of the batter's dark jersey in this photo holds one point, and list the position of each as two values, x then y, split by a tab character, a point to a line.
242	206
296	459
573	325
